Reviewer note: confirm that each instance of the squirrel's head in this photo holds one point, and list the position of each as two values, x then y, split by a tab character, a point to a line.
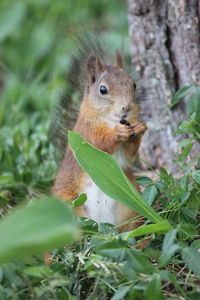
111	90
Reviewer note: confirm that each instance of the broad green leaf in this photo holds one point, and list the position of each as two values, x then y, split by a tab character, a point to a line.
109	177
121	293
79	201
169	239
10	17
191	256
150	193
166	256
161	228
169	247
154	289
37	227
196	176
143	180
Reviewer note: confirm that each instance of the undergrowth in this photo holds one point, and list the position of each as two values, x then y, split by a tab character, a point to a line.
103	264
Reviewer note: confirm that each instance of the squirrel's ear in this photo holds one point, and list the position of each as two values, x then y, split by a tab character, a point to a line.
118	59
94	66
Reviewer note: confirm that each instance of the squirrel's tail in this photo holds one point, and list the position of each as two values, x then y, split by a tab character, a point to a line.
67	108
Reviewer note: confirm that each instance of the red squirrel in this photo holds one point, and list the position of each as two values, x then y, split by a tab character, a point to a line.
108	119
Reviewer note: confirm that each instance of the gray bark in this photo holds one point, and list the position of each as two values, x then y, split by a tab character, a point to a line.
165	50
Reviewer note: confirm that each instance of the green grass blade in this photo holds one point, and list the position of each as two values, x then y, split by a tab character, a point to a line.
161	228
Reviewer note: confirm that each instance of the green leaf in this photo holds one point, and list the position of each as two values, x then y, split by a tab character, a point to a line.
196	176
150	193
5	179
184	182
109	177
185	152
185	142
79	201
138	262
121	293
196	244
185	196
38	271
191	256
161	228
189	214
154	289
1	275
193	105
163	173
37	227
143	180
10	18
112	249
168	247
180	94
88	226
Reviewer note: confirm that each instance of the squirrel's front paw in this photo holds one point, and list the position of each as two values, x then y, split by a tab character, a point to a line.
139	128
124	132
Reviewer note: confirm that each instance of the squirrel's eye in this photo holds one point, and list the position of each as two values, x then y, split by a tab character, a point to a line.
103	89
134	86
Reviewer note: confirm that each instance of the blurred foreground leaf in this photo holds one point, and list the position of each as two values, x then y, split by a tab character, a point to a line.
10	17
37	227
109	177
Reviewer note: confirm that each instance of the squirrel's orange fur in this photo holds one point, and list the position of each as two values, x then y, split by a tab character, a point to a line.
99	123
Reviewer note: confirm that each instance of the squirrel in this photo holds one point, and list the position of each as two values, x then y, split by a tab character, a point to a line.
107	119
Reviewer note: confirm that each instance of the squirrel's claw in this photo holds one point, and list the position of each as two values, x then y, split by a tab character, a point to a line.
123	132
139	128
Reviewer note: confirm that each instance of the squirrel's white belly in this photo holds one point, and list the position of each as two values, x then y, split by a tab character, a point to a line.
98	205
120	157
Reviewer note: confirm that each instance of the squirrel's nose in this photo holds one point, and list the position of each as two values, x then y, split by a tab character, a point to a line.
125	110
124	116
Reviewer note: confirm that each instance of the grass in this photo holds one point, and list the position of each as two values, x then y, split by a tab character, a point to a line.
103	264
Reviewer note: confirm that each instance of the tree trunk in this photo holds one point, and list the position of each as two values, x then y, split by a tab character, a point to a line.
165	49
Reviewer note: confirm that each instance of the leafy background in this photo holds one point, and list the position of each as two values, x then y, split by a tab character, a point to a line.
35	37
